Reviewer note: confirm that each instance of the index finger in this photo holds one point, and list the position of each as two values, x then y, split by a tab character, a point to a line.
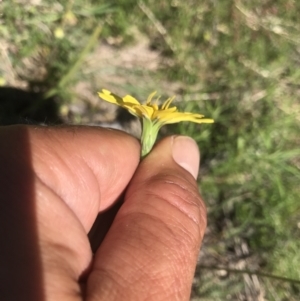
87	167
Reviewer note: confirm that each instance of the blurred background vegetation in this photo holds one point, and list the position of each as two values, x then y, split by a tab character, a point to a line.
235	61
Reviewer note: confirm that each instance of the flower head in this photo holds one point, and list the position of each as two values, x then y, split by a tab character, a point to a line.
152	115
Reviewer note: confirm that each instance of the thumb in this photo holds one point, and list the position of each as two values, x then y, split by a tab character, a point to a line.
152	247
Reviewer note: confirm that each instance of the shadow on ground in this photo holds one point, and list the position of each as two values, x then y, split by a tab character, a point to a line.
27	107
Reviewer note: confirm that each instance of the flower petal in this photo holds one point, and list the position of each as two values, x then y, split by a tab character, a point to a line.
148	102
167	103
144	111
132	110
130	100
182	116
110	97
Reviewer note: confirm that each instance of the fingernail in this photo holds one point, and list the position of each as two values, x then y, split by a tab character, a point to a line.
186	153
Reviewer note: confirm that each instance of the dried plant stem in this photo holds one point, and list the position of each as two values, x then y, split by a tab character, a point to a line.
249	272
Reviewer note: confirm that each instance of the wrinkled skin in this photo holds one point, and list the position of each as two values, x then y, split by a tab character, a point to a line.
53	183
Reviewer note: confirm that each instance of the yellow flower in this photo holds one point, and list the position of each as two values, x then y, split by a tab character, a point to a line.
153	116
59	33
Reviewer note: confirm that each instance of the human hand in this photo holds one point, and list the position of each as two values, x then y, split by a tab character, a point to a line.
53	184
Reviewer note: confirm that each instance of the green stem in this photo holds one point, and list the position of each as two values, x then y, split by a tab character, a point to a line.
64	80
149	134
